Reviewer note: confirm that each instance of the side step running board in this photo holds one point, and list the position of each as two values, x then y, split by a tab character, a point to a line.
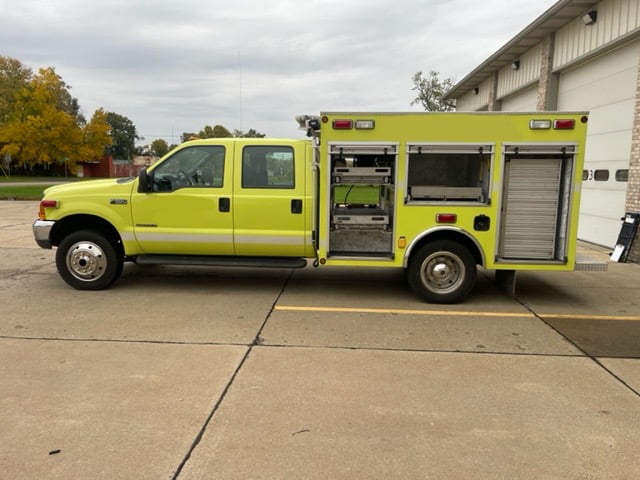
586	263
219	261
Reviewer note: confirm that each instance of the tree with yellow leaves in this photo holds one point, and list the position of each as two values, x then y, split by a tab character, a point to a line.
45	126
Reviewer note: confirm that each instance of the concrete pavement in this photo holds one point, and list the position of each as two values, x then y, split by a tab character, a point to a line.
230	373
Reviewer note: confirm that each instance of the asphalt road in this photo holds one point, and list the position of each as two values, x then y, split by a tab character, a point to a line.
178	373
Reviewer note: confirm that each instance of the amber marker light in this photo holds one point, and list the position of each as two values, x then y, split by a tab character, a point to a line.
46	204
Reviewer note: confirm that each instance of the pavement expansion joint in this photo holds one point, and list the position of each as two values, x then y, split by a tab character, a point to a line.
593	358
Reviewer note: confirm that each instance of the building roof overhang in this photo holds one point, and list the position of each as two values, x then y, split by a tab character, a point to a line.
556	17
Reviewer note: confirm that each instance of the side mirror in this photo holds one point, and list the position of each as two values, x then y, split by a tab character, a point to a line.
145	181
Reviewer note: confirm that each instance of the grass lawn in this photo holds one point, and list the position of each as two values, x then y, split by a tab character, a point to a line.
23	192
30	192
21	179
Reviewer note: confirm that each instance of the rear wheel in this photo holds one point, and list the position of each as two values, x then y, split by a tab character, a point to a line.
442	272
87	260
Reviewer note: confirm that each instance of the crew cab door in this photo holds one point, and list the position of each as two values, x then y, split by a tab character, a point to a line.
269	203
188	210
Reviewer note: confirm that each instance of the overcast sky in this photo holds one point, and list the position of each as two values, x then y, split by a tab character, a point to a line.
176	66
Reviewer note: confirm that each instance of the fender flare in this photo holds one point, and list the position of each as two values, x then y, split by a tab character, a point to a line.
453	231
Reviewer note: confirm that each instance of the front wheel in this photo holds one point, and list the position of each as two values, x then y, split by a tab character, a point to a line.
86	260
442	272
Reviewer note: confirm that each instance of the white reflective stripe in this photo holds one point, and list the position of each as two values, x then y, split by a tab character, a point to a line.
127	237
242	239
270	240
181	237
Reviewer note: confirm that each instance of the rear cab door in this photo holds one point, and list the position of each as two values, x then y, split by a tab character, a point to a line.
272	207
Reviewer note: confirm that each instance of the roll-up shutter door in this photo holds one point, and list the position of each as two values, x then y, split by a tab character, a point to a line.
530	208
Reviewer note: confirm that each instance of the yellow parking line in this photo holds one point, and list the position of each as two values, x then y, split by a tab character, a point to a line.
400	311
589	317
453	313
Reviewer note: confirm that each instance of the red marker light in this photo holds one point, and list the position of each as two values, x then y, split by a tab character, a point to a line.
565	124
446	218
342	124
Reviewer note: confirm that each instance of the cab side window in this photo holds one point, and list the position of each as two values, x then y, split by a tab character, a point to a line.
267	167
197	166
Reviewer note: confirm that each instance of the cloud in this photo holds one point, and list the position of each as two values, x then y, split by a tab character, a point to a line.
177	66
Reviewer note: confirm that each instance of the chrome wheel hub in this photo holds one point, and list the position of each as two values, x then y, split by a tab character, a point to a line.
442	272
86	261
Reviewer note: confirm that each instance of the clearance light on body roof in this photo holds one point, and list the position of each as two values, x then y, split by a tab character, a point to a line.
539	124
365	124
559	124
348	124
564	124
342	124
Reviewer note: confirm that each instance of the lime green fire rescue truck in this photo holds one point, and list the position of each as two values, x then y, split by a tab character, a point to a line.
436	194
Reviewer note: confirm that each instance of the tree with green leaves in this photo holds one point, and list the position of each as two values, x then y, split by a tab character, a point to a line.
218	131
124	136
430	92
250	134
186	136
159	147
14	77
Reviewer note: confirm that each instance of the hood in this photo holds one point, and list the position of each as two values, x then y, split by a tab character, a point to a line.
91	187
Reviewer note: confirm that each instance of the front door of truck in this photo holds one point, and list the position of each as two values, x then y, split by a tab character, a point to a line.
188	210
270	207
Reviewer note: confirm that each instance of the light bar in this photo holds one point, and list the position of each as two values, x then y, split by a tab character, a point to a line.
539	124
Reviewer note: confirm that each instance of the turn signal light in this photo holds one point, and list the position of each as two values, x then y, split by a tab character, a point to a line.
46	204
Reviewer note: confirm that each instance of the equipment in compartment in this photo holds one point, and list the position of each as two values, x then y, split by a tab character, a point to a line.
367	175
361	200
449	173
360	215
428	192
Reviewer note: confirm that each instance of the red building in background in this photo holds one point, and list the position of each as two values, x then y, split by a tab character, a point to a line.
108	167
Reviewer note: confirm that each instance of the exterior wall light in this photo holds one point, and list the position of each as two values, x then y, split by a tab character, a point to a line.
590	17
515	65
476	90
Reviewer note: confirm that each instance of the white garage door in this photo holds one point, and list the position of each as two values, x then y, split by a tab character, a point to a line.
606	87
524	101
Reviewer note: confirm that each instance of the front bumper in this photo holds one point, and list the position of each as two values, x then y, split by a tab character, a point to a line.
42	232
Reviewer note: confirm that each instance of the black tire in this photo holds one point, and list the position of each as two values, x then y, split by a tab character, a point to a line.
86	260
442	272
